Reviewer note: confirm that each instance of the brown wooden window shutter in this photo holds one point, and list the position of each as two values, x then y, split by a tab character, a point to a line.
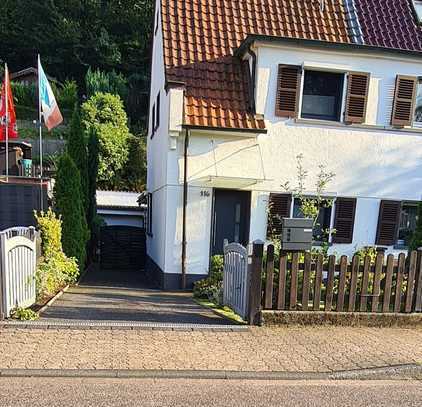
388	222
357	97
344	221
279	208
404	101
288	88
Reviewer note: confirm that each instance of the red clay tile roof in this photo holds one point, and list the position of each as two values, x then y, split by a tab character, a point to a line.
200	37
389	23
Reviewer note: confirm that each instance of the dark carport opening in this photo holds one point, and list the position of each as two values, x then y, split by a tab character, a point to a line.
122	259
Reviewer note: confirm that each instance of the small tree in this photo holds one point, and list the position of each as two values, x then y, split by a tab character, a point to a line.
77	149
92	217
104	113
134	174
310	206
416	240
69	204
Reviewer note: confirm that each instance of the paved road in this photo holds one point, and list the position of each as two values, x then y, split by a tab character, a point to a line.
133	392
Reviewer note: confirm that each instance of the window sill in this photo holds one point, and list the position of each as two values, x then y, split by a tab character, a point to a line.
319	244
400	247
374	127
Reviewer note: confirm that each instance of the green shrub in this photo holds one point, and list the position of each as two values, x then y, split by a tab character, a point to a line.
134	174
25	95
416	239
24	314
211	287
69	204
106	82
67	95
55	269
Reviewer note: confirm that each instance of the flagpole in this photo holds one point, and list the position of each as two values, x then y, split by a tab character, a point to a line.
40	131
6	80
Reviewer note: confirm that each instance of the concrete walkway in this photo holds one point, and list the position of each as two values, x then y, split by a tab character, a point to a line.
294	349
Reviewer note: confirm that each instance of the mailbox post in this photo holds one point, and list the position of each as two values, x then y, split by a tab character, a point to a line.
296	234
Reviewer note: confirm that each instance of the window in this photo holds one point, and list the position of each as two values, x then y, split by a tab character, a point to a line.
323	222
407	223
322	95
418	105
417	5
149	214
157	112
153	121
157	21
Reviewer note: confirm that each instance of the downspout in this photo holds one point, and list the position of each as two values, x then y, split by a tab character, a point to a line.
185	202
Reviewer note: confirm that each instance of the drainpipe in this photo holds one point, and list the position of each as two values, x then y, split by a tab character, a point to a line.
185	202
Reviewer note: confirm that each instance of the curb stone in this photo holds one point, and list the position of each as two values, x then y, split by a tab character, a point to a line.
400	372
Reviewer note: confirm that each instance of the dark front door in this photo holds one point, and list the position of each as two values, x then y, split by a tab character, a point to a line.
230	218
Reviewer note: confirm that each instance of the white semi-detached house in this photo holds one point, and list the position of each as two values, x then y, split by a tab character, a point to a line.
240	88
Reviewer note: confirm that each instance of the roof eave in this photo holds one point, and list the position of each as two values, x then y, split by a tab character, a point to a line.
307	43
225	129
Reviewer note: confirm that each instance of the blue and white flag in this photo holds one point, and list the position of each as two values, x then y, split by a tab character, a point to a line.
49	107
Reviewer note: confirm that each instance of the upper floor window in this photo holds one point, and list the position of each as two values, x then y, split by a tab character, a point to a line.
322	96
417	4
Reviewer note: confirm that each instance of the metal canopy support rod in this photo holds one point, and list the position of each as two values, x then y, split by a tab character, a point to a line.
185	202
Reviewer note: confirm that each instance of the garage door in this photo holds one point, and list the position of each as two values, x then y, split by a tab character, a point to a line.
122	248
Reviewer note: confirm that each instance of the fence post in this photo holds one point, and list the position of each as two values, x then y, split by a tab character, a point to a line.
2	288
255	285
418	288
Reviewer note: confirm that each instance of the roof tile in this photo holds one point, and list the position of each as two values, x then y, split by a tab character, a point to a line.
200	37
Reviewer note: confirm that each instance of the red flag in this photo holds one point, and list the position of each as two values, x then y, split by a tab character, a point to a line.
6	88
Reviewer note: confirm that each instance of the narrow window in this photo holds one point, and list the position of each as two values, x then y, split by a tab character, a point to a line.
157	21
278	208
153	121
321	230
157	112
322	95
149	214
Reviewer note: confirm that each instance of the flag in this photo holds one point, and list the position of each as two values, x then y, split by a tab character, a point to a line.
6	90
48	105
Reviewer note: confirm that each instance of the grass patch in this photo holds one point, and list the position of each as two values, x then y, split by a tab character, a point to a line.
223	311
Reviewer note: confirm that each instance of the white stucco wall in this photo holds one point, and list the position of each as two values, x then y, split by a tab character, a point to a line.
157	150
370	163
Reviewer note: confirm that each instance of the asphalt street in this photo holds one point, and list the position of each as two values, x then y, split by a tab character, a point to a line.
69	392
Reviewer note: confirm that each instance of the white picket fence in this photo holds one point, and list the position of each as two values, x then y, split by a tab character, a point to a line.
235	279
18	257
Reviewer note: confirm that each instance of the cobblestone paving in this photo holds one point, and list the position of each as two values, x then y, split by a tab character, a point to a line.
321	349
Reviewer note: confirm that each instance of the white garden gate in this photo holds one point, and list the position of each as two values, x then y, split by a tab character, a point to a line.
236	281
17	268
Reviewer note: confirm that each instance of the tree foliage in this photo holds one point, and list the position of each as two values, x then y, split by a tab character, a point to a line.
73	35
104	114
77	150
69	204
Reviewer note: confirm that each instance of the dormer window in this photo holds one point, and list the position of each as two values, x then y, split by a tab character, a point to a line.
417	5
